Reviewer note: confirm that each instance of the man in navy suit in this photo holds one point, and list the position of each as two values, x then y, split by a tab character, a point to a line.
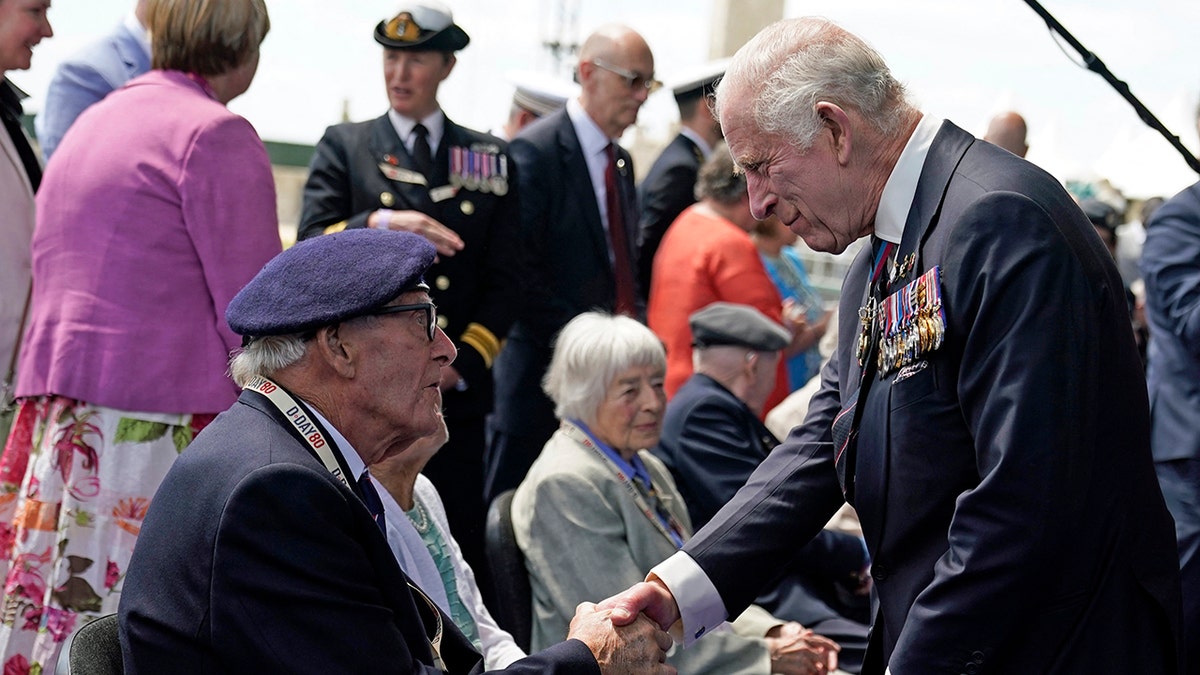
88	76
414	169
670	185
264	549
984	412
1171	269
578	231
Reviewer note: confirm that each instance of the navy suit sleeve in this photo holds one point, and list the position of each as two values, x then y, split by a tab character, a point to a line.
328	193
663	198
1171	269
755	535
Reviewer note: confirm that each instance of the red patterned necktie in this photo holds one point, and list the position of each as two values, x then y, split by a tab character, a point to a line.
622	268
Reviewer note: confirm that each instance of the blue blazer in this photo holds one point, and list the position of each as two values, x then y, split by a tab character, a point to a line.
85	78
253	558
1004	481
1171	269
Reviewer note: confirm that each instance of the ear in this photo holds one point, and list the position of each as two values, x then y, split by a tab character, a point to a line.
335	352
451	61
838	123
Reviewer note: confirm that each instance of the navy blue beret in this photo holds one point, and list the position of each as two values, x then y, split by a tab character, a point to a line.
726	323
328	279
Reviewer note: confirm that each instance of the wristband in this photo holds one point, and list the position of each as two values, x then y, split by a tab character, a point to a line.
385	215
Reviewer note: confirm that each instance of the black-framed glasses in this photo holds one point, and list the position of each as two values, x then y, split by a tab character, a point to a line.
634	80
429	308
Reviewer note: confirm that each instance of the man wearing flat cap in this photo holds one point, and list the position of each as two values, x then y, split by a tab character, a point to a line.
713	439
670	185
264	550
413	169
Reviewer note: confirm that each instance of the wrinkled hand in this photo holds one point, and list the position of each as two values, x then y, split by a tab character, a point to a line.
649	597
804	334
796	650
445	240
633	649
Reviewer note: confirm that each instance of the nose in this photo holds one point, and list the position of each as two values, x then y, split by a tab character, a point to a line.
444	351
653	399
762	199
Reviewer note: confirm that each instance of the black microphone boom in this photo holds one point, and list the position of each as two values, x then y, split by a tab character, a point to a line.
1096	65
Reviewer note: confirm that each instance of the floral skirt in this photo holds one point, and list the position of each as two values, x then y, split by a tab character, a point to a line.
75	482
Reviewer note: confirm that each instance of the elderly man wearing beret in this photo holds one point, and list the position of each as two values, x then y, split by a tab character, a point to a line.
713	440
264	550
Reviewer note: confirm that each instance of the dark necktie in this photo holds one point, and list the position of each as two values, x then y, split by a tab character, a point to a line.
422	155
10	112
622	268
371	498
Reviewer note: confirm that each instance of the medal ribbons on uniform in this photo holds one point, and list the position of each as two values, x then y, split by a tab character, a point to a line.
480	167
912	322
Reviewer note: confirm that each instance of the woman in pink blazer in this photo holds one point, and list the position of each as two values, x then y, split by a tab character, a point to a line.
158	207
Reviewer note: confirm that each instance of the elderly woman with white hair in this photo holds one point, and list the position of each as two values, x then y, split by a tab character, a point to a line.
596	511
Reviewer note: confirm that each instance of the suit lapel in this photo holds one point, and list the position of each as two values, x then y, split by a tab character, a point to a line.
579	183
388	151
948	148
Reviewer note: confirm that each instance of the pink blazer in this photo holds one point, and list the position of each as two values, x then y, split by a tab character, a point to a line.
158	207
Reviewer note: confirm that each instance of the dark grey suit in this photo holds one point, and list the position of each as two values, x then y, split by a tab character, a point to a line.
668	188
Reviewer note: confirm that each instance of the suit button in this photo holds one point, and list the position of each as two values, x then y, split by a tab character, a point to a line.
977	657
879	572
387	199
466	207
442	282
972	668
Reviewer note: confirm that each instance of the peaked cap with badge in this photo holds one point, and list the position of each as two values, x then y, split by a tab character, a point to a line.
425	25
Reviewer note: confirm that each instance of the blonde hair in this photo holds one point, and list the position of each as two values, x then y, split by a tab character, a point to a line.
205	37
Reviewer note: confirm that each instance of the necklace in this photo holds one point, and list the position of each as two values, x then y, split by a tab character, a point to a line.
419	516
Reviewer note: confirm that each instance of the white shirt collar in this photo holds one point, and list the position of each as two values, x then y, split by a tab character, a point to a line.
435	122
353	461
901	188
139	31
591	136
691	135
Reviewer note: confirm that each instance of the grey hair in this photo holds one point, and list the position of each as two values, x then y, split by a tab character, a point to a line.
266	356
718	178
589	353
793	64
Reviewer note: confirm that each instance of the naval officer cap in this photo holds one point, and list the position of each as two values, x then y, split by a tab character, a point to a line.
698	81
541	94
329	279
423	25
730	324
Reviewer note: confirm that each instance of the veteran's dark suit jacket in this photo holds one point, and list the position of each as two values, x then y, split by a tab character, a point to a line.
477	289
1171	267
566	249
253	558
1004	481
668	188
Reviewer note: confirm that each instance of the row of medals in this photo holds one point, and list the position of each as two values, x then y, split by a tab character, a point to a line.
911	323
481	171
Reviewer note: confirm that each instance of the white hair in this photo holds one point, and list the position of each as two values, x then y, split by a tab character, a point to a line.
265	356
589	353
791	65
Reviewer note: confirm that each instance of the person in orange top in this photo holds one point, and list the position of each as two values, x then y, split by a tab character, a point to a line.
707	256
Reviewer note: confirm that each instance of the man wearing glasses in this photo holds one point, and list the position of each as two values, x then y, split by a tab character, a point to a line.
578	233
265	548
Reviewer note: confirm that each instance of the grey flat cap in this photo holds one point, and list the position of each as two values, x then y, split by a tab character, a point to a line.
727	323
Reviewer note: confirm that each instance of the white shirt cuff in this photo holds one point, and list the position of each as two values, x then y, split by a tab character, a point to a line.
701	609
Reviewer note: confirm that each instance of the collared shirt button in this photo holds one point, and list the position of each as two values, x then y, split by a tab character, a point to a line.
442	282
972	668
